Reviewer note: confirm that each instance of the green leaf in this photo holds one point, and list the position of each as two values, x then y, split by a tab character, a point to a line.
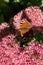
42	3
39	37
16	0
6	1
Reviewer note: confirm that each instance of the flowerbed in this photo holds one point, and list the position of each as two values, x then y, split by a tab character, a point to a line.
10	51
12	54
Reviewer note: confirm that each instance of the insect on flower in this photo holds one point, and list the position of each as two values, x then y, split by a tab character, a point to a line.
25	26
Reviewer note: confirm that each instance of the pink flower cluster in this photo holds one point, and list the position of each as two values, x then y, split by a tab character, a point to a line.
3	26
12	54
31	13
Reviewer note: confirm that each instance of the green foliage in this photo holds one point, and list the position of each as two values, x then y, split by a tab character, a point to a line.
42	3
6	1
1	18
41	6
37	37
10	7
16	1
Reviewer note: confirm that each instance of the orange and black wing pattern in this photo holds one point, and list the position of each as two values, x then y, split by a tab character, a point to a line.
25	26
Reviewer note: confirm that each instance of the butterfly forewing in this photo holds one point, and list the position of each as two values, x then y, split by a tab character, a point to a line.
25	26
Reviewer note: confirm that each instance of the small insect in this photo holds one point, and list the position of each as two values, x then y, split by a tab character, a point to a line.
25	26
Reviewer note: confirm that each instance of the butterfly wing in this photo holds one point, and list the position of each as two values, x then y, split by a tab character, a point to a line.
25	27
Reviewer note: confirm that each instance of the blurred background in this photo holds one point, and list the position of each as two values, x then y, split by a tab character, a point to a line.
8	8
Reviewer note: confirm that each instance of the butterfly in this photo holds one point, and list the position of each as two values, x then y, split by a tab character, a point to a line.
25	26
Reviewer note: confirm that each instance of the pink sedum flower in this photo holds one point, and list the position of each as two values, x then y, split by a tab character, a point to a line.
3	26
31	13
35	15
12	54
17	19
